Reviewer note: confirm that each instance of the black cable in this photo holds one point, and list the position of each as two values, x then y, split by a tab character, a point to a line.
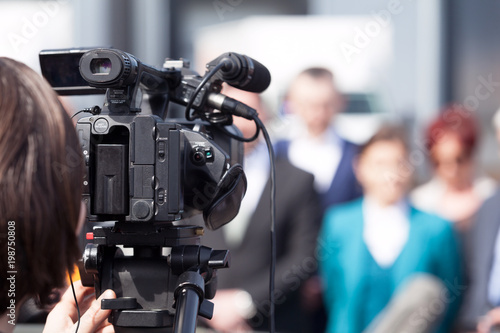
207	77
78	113
95	110
76	302
273	221
240	138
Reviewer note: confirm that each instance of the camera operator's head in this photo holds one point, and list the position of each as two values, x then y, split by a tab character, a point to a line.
314	97
41	174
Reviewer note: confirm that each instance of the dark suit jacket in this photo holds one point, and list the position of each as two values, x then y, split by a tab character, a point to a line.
297	220
479	262
345	186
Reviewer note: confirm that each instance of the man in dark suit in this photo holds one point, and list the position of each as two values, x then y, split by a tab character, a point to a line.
314	101
314	146
481	307
481	296
241	302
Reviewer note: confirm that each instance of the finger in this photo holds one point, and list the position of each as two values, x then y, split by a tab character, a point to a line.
80	291
243	328
107	329
66	306
95	316
84	297
86	303
104	326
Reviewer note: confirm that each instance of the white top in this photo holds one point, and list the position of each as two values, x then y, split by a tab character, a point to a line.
256	167
319	156
385	230
428	197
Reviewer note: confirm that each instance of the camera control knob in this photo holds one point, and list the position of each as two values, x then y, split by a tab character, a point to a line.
91	258
141	210
101	126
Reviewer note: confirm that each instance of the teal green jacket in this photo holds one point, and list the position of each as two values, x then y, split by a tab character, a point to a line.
356	288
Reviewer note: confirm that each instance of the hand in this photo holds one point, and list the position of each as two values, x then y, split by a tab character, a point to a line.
491	319
311	294
227	314
63	318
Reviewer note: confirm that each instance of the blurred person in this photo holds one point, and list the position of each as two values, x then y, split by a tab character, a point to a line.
481	308
314	100
41	172
372	247
241	302
455	192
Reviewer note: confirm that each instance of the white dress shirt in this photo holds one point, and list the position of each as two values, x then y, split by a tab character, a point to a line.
319	156
385	230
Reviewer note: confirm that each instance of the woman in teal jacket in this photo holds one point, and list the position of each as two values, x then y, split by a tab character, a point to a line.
370	247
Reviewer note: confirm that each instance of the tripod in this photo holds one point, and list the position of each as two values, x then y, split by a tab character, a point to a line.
155	292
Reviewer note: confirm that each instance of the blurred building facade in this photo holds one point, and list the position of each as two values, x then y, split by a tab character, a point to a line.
441	51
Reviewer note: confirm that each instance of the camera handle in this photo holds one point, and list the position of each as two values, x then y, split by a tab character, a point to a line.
187	299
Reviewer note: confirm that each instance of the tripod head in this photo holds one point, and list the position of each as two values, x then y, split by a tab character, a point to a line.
175	287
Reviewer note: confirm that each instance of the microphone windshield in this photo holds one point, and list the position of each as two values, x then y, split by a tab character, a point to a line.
242	72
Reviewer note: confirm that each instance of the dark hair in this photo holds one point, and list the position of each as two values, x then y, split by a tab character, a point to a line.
41	172
454	120
386	133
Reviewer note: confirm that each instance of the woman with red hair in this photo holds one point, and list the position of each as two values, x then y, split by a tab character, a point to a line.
455	192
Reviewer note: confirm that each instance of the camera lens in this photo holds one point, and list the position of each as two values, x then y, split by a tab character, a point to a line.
100	66
198	156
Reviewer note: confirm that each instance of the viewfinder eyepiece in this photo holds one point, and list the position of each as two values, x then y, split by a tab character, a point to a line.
108	68
101	66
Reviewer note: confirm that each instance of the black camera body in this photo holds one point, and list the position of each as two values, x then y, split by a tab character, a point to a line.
142	168
146	174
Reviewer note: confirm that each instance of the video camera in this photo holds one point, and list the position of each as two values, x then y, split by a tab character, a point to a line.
147	174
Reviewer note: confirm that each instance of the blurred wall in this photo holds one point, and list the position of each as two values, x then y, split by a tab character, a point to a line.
441	48
156	29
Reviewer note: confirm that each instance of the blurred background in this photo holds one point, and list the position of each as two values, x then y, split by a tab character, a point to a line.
398	60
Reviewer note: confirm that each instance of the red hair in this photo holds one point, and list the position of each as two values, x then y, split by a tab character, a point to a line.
454	120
